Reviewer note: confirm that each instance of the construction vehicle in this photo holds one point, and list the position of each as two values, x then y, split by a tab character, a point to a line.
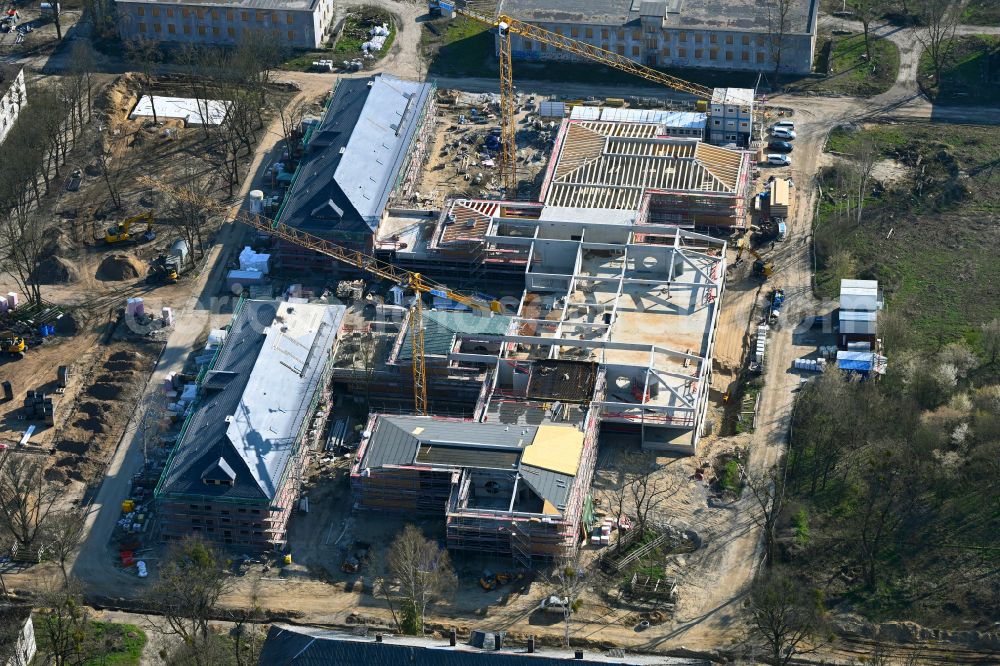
12	345
761	267
122	231
383	269
507	26
777	300
164	269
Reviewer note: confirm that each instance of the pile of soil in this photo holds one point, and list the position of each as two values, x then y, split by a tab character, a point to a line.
55	270
116	267
93	428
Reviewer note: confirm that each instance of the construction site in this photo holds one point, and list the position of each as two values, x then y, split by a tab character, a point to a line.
468	310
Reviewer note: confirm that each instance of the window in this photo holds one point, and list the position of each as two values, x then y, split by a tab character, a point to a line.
558	31
682	52
231	31
229	14
713	38
684	36
528	45
215	14
713	54
652	44
574	31
225	512
200	13
746	40
745	57
717	122
187	30
185	12
291	35
588	32
698	38
170	12
142	27
635	51
208	507
201	30
604	33
259	15
729	55
157	27
196	521
744	124
760	40
171	28
620	49
156	11
666	51
606	46
698	53
636	35
193	506
620	34
289	19
760	57
215	33
244	16
274	17
141	11
544	47
729	39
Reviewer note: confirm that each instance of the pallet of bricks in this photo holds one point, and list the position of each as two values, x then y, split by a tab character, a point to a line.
39	407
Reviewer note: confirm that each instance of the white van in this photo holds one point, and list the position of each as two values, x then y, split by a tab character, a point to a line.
777	159
784	124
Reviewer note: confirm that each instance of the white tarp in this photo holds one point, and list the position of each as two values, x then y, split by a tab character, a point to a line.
251	261
191	111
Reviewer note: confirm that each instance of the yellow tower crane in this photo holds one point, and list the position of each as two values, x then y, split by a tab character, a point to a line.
506	26
383	269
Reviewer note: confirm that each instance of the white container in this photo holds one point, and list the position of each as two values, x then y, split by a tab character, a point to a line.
256	201
11	300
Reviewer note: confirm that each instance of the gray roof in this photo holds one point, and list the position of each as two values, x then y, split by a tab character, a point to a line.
279	5
246	428
395	440
355	156
309	646
426	440
8	74
738	15
442	328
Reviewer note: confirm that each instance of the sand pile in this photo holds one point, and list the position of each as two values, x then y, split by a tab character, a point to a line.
122	266
55	270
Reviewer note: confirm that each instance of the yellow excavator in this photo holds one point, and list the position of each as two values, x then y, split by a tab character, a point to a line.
122	231
761	266
12	345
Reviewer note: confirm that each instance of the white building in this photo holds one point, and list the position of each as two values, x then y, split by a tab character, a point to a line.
731	119
12	96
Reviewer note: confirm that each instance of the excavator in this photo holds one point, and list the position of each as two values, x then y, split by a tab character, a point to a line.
761	267
121	232
12	345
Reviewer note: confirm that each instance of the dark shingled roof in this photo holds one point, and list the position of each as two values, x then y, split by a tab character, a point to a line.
307	646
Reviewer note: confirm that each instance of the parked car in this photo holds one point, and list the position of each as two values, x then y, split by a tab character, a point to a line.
777	159
554	604
782	133
780	147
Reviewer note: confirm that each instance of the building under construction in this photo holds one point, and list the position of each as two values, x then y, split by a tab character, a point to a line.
236	470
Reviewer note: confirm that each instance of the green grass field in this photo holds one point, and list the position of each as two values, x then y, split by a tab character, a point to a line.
941	252
106	644
851	73
972	75
982	12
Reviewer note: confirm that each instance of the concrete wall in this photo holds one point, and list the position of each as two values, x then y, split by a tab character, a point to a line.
221	25
11	103
674	47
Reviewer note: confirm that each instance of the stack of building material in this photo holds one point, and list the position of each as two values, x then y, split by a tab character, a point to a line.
39	407
781	198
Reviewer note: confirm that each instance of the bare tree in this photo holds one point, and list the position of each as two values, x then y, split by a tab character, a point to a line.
648	490
778	25
82	66
26	499
64	622
145	55
290	116
867	11
112	173
863	159
783	617
248	637
941	18
22	245
767	491
191	581
879	512
62	536
422	572
569	581
990	339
